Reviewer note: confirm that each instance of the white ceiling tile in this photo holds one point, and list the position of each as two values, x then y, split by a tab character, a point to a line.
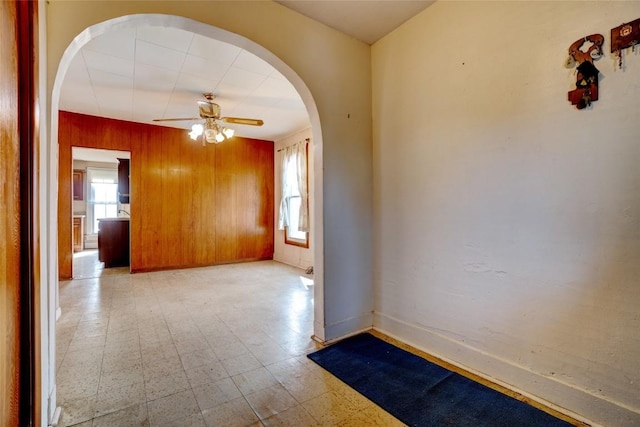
185	99
182	104
172	38
194	85
150	105
202	67
167	83
150	78
283	88
158	56
250	62
252	111
221	52
238	77
232	92
227	105
115	113
78	98
110	98
77	72
80	108
104	79
260	100
108	63
290	105
119	43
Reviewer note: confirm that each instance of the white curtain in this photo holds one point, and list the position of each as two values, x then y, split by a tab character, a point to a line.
294	158
285	185
301	164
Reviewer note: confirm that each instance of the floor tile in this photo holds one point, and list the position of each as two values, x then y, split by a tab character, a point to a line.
118	398
178	406
270	401
198	358
132	416
254	380
210	395
330	408
292	417
235	413
240	364
78	410
208	373
161	386
204	346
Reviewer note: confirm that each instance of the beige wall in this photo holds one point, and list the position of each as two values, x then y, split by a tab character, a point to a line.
286	253
507	222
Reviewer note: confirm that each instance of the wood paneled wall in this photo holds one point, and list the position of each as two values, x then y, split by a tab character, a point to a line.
190	205
9	219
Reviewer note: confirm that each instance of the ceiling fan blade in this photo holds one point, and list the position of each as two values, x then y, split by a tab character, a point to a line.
242	121
177	120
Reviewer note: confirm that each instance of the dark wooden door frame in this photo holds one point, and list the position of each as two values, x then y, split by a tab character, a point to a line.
27	27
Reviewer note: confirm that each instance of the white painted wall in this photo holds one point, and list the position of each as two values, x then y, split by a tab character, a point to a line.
286	253
506	222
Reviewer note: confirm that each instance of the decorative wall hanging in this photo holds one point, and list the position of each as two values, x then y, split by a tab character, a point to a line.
582	53
624	36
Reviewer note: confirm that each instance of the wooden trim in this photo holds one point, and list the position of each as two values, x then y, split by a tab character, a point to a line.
10	326
28	131
182	267
298	243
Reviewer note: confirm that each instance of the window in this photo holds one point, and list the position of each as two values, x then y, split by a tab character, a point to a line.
294	203
292	233
103	196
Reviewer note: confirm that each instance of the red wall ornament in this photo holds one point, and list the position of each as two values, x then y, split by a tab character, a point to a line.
582	53
624	36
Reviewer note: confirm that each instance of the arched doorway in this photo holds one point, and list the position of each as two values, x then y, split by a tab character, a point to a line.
211	32
135	21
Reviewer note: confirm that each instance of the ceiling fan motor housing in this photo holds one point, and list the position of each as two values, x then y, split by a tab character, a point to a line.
209	110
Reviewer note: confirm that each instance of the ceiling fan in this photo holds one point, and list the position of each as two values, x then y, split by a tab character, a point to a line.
212	130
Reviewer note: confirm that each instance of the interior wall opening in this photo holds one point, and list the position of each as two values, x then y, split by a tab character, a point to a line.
214	33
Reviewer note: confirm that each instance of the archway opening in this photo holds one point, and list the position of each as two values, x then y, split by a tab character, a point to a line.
205	30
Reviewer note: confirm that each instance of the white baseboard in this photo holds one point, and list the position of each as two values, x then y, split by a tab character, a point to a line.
347	327
53	411
565	398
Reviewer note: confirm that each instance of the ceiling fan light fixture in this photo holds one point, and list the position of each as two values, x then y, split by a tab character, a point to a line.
196	131
228	132
210	135
213	131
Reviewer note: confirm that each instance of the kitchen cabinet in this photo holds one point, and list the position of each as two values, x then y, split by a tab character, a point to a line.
78	184
78	233
123	180
113	242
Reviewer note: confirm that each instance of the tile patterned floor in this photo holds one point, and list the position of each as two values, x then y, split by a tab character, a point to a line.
216	346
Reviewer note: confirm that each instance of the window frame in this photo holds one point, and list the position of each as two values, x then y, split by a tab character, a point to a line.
92	227
288	240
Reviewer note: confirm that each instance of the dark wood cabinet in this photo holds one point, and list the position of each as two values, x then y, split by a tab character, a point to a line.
78	184
113	242
123	180
78	233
